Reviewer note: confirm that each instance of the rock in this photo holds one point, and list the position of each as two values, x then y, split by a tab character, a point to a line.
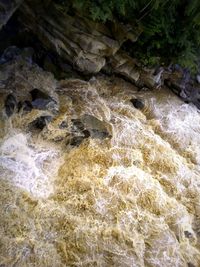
7	8
49	65
63	125
82	42
9	54
27	54
10	104
87	126
137	103
42	101
130	68
95	128
25	106
198	78
188	234
183	85
38	94
76	140
40	122
14	53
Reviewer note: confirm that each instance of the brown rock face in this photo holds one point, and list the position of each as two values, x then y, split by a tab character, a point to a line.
7	8
85	44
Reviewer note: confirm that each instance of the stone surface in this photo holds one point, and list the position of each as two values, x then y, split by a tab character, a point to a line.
10	104
137	103
182	84
95	127
83	43
7	8
19	78
131	69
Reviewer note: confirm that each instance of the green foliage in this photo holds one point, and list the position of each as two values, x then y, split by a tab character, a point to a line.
171	27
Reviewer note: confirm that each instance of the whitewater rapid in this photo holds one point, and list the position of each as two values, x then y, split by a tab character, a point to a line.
130	199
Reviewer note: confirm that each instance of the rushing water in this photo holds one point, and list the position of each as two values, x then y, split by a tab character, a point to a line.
132	199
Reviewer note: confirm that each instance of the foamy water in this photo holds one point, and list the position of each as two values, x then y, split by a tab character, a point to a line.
22	163
130	200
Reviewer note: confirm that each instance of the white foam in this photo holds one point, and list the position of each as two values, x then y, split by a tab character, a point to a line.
26	166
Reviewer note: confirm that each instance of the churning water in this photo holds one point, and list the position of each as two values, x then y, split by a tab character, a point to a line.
130	199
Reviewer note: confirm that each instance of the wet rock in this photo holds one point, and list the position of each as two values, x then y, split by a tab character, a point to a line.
128	67
198	78
87	126
9	54
25	106
63	125
10	104
187	234
95	127
77	125
178	80
20	55
40	122
86	133
42	101
49	65
27	54
77	140
183	85
82	42
38	94
7	8
137	103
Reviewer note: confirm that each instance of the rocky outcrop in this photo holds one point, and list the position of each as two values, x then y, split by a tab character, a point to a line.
19	79
91	47
84	43
183	84
7	8
131	69
87	45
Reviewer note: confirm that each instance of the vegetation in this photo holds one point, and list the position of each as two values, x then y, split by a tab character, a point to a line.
171	28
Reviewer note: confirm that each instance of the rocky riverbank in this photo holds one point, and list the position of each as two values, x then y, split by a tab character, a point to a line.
90	47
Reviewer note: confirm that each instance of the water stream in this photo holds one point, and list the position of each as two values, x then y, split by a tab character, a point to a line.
129	199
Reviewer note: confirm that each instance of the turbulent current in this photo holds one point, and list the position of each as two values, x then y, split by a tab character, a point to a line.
127	194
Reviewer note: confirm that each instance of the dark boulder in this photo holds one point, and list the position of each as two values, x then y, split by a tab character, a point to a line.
95	128
40	122
77	125
10	104
63	125
38	94
77	140
42	101
25	106
137	103
9	54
